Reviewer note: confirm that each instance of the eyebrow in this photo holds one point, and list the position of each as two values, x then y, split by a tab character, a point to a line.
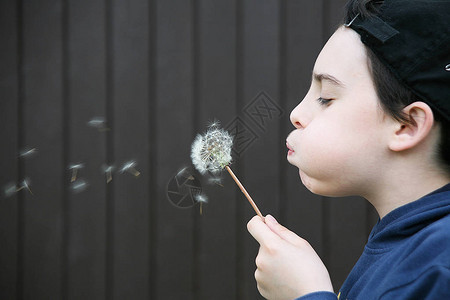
327	77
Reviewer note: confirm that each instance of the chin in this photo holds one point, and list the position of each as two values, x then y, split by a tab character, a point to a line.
319	187
291	160
307	181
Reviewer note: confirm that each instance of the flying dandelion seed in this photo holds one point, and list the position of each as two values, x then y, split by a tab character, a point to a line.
25	184
10	189
130	168
215	180
201	198
28	152
181	171
214	124
108	172
99	123
185	174
74	168
79	186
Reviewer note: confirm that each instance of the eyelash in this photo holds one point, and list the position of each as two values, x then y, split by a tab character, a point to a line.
323	101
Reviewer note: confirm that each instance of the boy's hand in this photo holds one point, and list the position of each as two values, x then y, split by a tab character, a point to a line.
287	266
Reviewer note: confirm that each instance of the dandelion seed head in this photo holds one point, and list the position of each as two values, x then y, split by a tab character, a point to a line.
212	150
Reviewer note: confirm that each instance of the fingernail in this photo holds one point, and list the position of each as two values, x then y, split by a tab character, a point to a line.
271	219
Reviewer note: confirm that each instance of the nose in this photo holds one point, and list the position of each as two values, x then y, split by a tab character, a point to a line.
303	113
295	117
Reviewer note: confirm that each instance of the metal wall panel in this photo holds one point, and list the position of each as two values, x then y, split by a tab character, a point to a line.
101	84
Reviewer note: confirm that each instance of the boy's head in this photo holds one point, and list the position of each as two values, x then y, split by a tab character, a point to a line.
408	48
360	110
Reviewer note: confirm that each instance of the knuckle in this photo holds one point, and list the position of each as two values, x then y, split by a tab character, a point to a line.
250	224
258	276
262	290
259	262
272	249
303	243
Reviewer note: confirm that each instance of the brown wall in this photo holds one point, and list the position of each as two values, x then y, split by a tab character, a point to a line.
157	71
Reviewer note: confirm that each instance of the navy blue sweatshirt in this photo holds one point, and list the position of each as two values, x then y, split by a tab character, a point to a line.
407	255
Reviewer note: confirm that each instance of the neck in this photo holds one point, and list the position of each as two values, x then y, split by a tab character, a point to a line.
404	189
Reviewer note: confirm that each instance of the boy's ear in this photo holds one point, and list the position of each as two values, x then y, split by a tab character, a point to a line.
408	135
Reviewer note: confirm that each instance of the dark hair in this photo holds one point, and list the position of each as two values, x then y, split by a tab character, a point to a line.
393	95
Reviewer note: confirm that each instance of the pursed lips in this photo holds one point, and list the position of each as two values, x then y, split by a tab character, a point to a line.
290	148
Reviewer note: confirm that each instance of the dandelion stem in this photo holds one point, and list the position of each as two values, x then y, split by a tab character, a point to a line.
244	191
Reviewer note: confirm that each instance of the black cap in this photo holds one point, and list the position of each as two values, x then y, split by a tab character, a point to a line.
412	39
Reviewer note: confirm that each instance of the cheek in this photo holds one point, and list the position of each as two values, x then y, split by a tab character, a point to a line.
319	149
332	146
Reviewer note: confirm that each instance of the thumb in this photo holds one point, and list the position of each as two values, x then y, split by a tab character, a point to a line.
282	231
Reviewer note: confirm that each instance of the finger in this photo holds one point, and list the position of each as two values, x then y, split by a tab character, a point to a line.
282	231
261	232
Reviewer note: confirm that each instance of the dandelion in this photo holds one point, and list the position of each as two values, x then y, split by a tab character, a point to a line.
212	152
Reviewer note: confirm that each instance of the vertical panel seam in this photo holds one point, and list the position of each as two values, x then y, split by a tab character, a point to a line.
109	101
153	142
65	148
20	141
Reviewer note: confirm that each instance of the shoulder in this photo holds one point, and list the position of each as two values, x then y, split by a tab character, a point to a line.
431	245
422	270
431	283
437	232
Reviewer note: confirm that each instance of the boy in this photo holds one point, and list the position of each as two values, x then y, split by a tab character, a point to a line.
374	123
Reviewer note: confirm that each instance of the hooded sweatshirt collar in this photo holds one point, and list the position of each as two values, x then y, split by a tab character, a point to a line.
410	218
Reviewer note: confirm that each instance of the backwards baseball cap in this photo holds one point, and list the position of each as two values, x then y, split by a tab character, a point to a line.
412	39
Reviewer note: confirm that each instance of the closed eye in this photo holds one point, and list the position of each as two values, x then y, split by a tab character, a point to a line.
323	101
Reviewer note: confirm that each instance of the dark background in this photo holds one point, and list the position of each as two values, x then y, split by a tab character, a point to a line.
158	71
